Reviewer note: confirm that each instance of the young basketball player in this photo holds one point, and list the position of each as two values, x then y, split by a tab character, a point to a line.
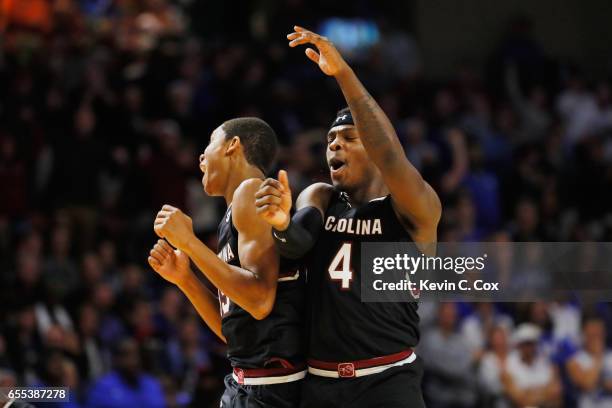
261	309
360	354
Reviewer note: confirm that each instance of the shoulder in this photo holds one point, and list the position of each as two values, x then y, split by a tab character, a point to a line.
246	190
244	196
244	213
315	195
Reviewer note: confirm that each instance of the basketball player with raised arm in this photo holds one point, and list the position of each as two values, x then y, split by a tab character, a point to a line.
360	354
261	296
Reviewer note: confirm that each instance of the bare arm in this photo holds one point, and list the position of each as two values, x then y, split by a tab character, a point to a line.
173	265
586	379
256	248
252	286
316	195
204	302
548	394
414	200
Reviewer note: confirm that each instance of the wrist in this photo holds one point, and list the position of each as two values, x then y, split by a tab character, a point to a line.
187	245
345	72
283	226
185	281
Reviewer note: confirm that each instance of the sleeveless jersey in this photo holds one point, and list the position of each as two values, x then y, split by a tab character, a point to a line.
342	328
253	343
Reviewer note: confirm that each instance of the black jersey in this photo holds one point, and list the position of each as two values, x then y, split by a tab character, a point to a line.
342	328
253	343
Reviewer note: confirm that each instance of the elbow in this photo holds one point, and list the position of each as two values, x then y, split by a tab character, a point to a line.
437	206
263	307
262	310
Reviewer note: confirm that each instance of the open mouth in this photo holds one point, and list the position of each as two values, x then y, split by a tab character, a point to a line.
336	164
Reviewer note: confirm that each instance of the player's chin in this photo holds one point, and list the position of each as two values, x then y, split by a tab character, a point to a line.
340	181
209	188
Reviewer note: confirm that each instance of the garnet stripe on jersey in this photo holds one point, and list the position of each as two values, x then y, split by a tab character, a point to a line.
367	363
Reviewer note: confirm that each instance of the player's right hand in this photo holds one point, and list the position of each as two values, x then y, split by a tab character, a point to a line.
172	264
273	201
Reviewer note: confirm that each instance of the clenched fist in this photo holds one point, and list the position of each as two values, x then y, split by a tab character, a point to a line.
273	201
173	225
172	264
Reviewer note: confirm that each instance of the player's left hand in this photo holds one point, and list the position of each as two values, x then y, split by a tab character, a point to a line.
326	57
173	225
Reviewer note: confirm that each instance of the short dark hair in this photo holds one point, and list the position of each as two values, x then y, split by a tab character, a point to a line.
258	139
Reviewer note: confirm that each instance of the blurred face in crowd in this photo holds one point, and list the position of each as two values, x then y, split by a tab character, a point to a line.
538	313
91	268
447	316
498	340
171	302
349	164
28	269
88	320
54	368
528	350
527	216
60	241
215	163
594	335
127	359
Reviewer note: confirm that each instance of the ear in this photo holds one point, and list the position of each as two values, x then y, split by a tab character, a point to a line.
233	146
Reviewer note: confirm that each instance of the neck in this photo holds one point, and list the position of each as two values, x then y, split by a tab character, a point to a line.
238	174
363	194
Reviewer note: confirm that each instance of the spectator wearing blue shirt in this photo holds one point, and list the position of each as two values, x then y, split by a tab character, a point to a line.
126	385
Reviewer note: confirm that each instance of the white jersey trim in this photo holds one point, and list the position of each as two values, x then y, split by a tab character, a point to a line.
362	371
290	278
271	380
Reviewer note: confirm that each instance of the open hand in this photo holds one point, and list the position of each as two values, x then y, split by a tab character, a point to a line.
326	56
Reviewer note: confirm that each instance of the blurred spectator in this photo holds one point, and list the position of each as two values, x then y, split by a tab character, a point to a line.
169	313
590	369
59	371
448	362
186	355
478	325
13	178
8	379
92	356
24	345
492	365
529	378
126	385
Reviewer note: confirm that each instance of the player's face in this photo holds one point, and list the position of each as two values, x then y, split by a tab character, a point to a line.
214	164
349	164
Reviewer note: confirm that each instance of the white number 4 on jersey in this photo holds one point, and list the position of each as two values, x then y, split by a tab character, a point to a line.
340	267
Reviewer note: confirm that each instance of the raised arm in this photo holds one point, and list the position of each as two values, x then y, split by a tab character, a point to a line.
173	265
252	286
414	200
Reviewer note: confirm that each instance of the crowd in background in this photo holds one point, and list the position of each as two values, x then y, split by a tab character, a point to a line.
105	107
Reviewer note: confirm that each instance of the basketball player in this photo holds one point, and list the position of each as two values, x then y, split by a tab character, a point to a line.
360	354
261	309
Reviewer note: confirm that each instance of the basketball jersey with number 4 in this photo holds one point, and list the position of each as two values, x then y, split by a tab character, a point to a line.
342	327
